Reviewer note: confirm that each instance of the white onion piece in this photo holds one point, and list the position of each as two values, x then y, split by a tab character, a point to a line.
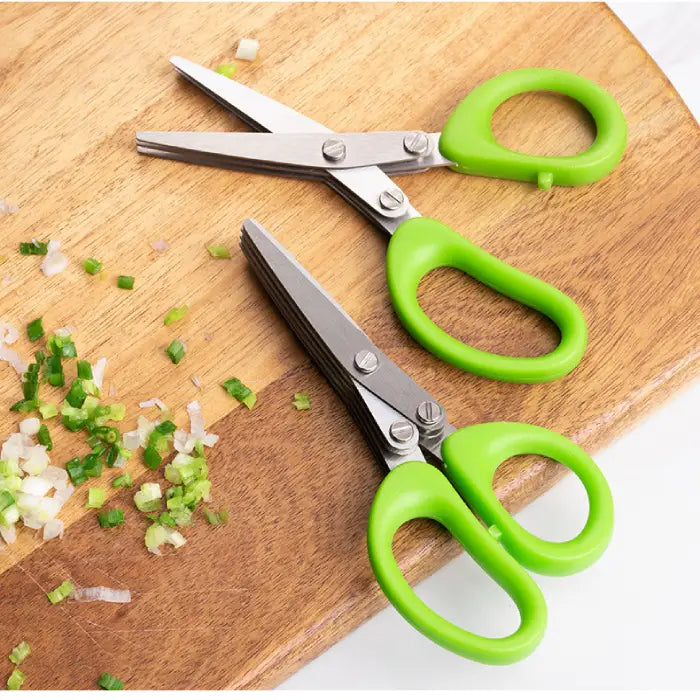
35	459
183	442
64	332
35	486
144	428
131	440
100	593
194	410
63	493
209	440
8	207
247	49
55	261
54	528
120	461
175	538
160	246
29	426
9	534
57	476
32	522
98	372
196	382
13	448
12	356
7	280
112	390
155	401
8	334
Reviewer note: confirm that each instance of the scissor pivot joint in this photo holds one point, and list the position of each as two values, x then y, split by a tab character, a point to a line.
333	150
391	199
402	431
366	361
429	413
417	143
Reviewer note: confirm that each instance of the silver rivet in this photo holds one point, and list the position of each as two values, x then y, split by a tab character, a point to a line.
333	149
391	199
366	361
429	412
402	430
416	143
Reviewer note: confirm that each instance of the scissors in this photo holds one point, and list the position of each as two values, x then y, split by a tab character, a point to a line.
356	166
405	426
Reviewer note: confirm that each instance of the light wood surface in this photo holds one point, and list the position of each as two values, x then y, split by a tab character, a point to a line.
245	605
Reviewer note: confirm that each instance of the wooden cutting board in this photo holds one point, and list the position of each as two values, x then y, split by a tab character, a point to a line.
247	604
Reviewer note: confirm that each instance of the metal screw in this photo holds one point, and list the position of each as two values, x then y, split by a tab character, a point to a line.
391	199
366	361
417	143
333	149
402	430
429	412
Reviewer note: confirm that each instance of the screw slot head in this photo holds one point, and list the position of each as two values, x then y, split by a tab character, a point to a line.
391	199
333	150
402	431
366	361
429	412
417	143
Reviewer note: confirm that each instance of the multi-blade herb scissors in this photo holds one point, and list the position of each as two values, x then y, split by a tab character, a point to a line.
356	166
405	425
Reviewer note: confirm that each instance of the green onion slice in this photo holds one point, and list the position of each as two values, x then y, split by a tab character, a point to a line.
60	592
240	391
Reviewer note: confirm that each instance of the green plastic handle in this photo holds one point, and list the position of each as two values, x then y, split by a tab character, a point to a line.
471	456
468	141
417	490
420	245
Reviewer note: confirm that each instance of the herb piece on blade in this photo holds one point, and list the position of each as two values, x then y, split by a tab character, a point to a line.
240	391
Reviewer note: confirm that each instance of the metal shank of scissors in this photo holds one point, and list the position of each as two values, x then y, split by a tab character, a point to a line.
368	189
398	417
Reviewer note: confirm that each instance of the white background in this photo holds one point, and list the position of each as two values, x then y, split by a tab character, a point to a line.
633	620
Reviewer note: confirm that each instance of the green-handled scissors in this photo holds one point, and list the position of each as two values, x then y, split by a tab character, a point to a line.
356	166
404	425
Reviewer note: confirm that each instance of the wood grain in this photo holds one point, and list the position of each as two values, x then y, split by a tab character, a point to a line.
245	605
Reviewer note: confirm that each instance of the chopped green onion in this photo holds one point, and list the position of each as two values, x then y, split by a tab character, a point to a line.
212	517
76	394
167	519
53	370
92	465
151	458
61	346
223	516
84	369
14	682
20	653
111	518
26	406
44	437
60	593
47	410
148	498
35	329
96	498
240	391
108	682
175	351
302	402
75	470
34	248
125	282
6	500
219	251
175	314
123	480
227	69
167	427
92	266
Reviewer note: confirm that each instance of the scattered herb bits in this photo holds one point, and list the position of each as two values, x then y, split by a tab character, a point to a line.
20	653
175	351
35	329
92	266
34	247
237	389
108	682
111	518
219	251
60	593
125	282
96	498
227	69
302	402
124	480
14	682
175	314
44	437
